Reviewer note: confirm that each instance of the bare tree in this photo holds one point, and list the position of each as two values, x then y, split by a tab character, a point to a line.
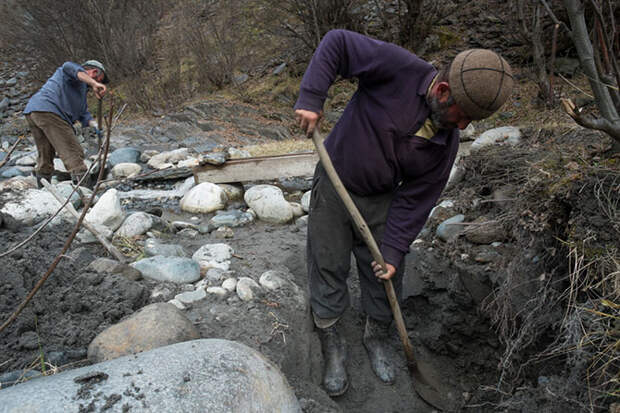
604	76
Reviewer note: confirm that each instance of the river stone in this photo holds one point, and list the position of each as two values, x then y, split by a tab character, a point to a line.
448	230
204	198
189	297
173	269
65	189
107	211
18	183
272	280
124	155
231	218
505	134
28	160
205	375
162	160
246	288
12	172
28	208
305	201
218	291
136	224
152	247
269	204
126	170
214	256
153	326
87	237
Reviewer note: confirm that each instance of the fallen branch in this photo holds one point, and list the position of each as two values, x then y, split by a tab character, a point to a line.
8	155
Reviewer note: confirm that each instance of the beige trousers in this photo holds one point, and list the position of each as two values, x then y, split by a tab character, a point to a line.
54	135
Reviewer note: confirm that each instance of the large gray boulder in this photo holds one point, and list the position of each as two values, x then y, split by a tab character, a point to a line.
208	375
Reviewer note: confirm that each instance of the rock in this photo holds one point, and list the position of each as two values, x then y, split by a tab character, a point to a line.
173	269
279	69
233	192
231	218
148	154
204	198
165	159
506	134
214	256
190	297
124	155
12	172
126	170
224	233
219	291
28	160
272	280
152	247
177	304
302	222
230	284
246	288
136	224
104	265
205	375
238	153
188	163
18	184
4	104
28	208
269	204
305	201
442	211
486	232
468	133
297	209
153	326
214	158
86	237
17	376
107	211
65	189
215	275
448	230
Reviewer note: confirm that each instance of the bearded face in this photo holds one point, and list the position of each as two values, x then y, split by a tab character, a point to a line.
440	112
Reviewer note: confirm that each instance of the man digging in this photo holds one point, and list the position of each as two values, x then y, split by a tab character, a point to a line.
393	149
51	112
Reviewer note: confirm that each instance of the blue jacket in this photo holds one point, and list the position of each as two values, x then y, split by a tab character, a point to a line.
373	146
63	94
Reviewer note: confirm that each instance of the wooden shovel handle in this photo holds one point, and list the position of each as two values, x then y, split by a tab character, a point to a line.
368	239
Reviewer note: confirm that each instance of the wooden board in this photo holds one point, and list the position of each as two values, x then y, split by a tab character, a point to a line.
258	168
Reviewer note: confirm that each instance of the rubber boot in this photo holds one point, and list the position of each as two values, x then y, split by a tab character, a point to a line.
38	176
76	177
376	341
335	380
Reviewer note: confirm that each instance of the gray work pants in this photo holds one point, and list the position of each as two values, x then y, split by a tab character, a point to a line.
332	237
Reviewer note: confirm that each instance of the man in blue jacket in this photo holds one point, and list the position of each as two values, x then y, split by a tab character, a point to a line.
393	148
51	112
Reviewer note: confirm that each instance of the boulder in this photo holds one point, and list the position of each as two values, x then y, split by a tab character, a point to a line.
107	211
136	224
449	229
28	208
126	170
269	204
504	135
173	269
214	256
204	198
153	326
206	375
124	155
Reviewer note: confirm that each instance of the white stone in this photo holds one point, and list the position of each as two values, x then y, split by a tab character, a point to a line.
505	134
177	304
162	160
29	207
18	183
214	256
148	154
238	153
188	163
87	237
135	224
107	211
269	204
305	201
126	170
189	297
272	280
468	133
246	288
204	198
230	284
219	291
28	160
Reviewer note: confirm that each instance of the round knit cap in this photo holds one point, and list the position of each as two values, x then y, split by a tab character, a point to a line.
480	81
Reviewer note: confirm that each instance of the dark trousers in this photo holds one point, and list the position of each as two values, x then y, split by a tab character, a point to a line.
332	237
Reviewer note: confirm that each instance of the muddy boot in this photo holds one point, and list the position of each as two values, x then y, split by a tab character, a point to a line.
76	177
38	176
335	380
378	348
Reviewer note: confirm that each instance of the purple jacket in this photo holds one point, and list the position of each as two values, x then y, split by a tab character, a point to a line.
373	146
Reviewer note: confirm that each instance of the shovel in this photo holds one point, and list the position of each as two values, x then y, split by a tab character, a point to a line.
421	381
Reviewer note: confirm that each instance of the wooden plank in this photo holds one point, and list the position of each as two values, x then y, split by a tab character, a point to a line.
258	168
